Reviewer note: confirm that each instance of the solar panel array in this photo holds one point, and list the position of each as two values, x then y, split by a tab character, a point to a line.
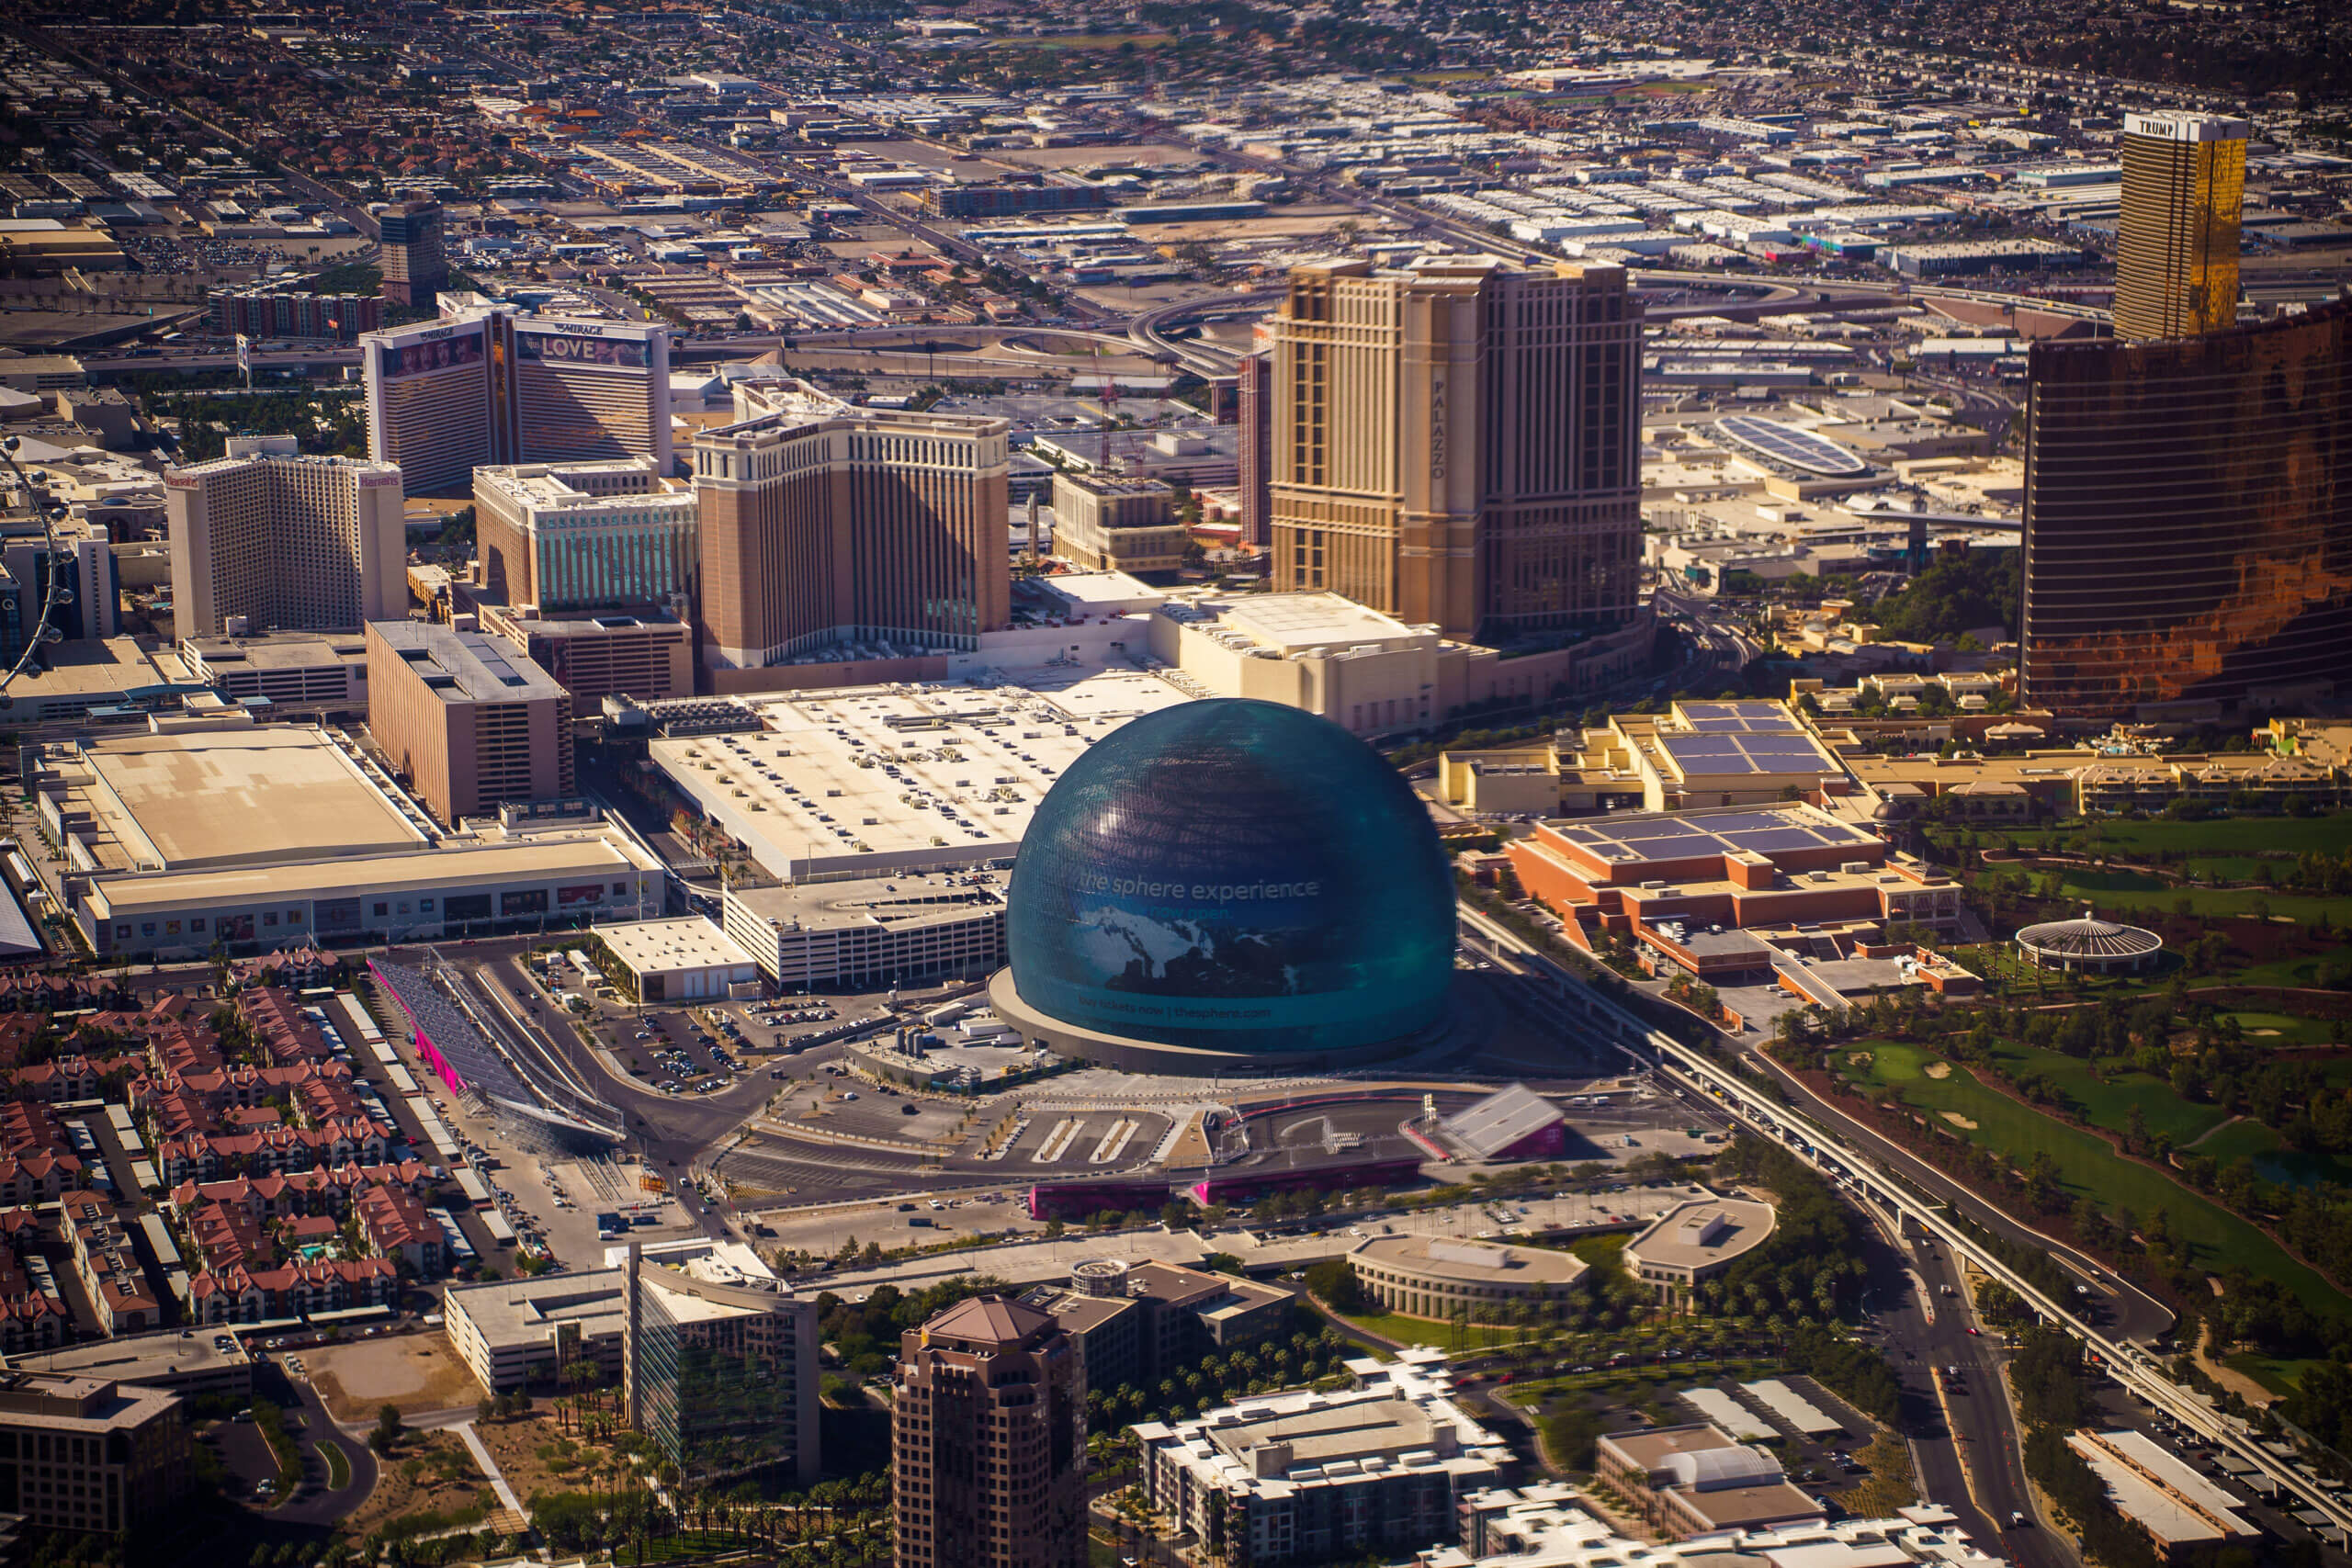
1716	717
1764	829
1788	751
1786	444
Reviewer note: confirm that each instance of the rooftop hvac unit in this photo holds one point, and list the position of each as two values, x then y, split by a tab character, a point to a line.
1855	867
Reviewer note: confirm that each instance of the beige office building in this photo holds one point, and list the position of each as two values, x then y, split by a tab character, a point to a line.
1455	443
473	723
90	1454
1441	1277
2176	242
1694	1242
268	539
1106	523
585	536
824	525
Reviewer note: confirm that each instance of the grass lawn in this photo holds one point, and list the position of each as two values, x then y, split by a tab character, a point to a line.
1431	1331
2293	971
1601	1251
697	1543
2278	1028
2240	836
2087	1166
2136	890
2272	1161
2279	1376
1632	1385
338	1467
2108	1103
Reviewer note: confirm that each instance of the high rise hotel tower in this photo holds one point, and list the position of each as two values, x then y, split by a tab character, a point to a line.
825	526
285	541
1457	443
2176	245
489	384
2189	518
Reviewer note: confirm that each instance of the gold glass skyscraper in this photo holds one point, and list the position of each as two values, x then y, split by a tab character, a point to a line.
1455	443
2177	255
2189	518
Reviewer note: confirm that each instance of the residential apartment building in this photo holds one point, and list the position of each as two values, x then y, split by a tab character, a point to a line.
91	1454
108	1269
1454	442
824	525
265	539
987	1441
265	312
471	722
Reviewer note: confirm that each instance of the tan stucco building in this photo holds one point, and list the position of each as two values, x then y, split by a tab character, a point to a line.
473	723
1454	442
272	540
824	525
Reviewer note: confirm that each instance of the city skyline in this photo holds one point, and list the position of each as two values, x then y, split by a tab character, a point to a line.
1535	787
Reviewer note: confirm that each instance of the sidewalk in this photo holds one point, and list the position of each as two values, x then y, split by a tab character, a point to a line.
465	1430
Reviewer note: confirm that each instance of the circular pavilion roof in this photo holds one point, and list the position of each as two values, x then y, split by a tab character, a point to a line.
2090	937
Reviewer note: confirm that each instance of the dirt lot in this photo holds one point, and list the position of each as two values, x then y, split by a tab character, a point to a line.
534	1455
429	1470
415	1372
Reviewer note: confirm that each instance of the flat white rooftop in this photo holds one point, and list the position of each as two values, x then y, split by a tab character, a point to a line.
1101	592
872	780
658	947
590	854
2156	1489
1284	625
216	798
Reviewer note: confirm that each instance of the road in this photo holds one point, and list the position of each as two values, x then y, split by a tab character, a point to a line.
1720	649
316	1504
1965	1449
1855	1162
2123	1310
1906	1291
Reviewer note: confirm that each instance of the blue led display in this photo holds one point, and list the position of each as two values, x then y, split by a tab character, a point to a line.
1237	876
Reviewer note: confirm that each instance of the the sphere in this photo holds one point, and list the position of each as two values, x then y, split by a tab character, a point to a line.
1233	875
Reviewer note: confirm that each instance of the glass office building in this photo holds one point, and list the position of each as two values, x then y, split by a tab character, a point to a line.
1234	875
722	1377
2178	233
2189	518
